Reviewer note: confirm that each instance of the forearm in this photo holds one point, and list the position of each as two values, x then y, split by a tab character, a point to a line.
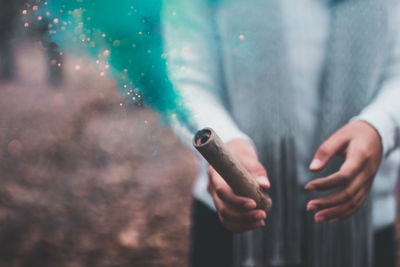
193	67
384	111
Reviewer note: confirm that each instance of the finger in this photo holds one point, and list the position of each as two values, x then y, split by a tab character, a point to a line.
334	199
238	227
330	147
342	196
334	180
226	194
345	209
257	170
355	208
237	214
351	167
229	215
348	213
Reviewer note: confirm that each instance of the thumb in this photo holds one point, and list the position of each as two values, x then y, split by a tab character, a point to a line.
334	144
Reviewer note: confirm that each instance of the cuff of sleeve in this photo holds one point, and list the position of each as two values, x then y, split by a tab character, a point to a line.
382	124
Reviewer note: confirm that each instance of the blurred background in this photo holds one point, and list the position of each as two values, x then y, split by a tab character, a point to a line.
85	180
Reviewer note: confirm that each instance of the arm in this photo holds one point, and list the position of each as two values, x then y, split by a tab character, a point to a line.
364	141
194	70
193	64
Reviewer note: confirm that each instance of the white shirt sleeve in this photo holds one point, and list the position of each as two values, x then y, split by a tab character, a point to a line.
384	111
193	63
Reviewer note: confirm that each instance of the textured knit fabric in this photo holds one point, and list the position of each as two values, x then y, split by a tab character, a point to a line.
348	84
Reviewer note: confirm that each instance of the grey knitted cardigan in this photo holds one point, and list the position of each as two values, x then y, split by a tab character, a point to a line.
355	55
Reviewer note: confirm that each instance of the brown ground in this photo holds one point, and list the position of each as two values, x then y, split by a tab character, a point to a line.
84	181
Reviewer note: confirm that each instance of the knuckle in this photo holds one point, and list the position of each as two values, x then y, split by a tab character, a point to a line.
254	167
324	149
353	204
348	196
364	153
346	174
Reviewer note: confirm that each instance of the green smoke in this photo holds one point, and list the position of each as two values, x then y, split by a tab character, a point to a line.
127	35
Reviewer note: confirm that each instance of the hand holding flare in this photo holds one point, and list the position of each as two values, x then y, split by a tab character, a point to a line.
361	145
235	181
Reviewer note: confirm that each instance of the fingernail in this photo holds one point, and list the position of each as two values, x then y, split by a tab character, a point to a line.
310	187
260	216
263	181
311	206
250	205
319	218
257	224
315	164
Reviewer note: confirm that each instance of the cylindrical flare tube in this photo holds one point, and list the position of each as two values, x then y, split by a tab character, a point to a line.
219	156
